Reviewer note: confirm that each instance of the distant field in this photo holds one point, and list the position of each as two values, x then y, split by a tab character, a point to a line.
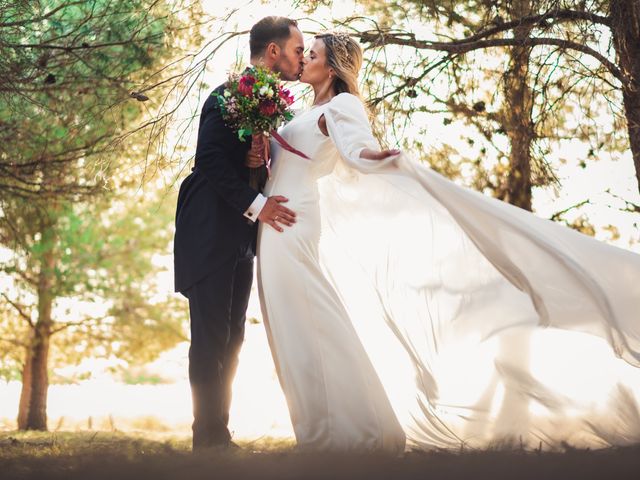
100	455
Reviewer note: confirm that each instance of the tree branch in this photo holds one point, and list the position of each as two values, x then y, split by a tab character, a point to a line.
19	309
13	341
411	81
65	325
41	17
462	46
540	19
69	48
556	216
629	206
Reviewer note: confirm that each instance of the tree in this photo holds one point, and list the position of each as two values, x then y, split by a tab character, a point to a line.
624	18
568	32
68	262
68	76
65	162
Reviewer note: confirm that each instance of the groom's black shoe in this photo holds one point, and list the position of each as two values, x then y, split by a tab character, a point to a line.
215	448
199	447
203	442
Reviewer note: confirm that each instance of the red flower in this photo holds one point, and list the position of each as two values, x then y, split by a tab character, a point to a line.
268	107
285	95
245	86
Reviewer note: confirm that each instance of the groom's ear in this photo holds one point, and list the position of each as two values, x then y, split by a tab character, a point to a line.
272	50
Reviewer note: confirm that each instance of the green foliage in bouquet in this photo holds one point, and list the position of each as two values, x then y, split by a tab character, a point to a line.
255	102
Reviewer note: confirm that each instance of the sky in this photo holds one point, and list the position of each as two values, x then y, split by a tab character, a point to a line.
577	183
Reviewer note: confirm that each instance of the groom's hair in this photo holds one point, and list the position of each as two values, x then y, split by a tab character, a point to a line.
269	29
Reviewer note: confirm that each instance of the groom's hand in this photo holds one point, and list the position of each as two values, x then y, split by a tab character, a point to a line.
274	213
259	152
253	160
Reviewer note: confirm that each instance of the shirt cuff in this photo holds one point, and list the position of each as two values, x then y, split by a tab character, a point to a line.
256	207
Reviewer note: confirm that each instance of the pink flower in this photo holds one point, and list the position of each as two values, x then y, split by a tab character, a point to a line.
268	107
245	86
285	95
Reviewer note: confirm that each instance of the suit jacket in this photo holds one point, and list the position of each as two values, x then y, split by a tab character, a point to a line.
210	225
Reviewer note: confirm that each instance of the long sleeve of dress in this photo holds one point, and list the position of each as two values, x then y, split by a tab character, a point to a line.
350	129
572	281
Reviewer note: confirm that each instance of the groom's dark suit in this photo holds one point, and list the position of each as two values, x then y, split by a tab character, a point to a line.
214	248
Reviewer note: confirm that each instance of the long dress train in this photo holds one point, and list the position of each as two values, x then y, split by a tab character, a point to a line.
401	304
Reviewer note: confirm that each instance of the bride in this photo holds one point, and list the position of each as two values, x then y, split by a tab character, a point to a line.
402	309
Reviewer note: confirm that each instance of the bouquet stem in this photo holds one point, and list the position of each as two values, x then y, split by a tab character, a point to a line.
259	175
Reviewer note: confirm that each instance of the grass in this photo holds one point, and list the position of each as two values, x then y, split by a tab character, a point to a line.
104	455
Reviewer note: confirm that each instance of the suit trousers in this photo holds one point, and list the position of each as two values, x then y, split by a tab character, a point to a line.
217	306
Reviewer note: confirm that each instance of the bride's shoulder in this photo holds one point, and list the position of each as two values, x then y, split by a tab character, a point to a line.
347	101
346	97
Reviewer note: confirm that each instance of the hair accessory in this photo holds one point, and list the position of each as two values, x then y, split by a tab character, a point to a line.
341	40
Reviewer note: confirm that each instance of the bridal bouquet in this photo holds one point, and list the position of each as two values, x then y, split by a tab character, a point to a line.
256	102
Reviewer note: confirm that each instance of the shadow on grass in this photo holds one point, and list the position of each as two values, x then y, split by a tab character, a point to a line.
102	455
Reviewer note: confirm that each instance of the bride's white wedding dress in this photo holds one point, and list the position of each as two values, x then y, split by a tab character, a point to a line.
402	306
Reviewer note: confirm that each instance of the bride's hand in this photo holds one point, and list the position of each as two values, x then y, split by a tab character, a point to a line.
369	154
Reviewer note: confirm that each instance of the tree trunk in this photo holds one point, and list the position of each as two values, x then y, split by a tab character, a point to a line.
25	393
513	414
518	108
625	27
32	414
37	410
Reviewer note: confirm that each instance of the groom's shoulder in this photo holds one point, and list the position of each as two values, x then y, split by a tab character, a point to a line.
212	101
220	88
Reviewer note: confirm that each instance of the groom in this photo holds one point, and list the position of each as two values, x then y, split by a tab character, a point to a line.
215	239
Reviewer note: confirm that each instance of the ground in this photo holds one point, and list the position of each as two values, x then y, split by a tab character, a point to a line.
103	455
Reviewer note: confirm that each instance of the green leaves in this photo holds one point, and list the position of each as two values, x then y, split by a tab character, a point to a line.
244	133
72	216
66	65
60	132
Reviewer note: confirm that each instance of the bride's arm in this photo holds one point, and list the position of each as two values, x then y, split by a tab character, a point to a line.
367	153
348	126
378	154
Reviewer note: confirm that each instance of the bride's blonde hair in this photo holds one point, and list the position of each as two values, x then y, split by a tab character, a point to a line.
344	55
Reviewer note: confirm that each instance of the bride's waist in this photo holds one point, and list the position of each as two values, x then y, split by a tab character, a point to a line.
300	198
296	201
302	187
